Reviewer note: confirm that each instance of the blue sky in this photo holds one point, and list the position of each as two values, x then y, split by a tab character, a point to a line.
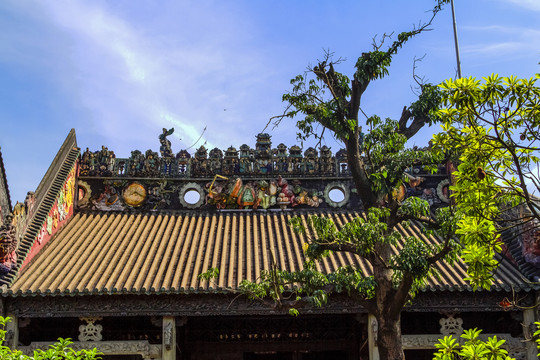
120	71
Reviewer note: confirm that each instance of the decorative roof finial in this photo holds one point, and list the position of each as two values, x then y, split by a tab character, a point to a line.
165	148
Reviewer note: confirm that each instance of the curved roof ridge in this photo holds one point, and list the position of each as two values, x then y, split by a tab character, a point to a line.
5	199
44	200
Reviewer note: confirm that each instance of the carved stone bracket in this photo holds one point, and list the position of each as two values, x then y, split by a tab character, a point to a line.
167	335
142	347
90	331
451	325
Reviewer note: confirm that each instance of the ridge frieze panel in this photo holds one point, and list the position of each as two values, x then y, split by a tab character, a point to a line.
222	304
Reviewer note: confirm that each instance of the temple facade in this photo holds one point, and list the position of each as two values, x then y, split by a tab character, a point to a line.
107	251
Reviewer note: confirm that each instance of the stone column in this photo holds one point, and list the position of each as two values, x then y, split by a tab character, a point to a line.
528	331
372	338
168	350
12	332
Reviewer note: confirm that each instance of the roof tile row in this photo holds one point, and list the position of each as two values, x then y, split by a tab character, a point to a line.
111	253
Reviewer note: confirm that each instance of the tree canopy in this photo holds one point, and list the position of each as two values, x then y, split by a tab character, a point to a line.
325	101
491	130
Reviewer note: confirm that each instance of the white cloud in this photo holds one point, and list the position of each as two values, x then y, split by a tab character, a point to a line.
134	80
494	49
497	40
187	130
527	4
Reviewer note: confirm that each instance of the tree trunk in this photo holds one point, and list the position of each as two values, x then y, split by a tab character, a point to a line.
356	166
389	337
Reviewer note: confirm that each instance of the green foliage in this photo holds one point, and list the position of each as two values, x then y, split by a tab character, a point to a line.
386	156
536	335
325	100
350	280
59	350
374	65
288	288
472	348
210	274
361	236
328	99
307	98
414	207
428	103
293	312
490	130
413	259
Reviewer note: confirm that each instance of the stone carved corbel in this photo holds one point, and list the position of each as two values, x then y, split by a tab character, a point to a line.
451	325
374	329
167	336
90	331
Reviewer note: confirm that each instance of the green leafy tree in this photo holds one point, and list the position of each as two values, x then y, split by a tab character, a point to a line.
491	131
57	351
327	101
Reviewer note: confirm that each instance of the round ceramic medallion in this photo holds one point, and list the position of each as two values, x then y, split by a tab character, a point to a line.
134	194
443	190
84	193
191	195
336	194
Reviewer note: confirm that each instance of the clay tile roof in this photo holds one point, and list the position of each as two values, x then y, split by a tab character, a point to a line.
115	253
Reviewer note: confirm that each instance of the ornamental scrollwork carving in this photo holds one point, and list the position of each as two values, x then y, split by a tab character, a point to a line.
451	325
175	305
91	331
258	161
8	239
168	335
134	194
140	347
271	178
12	230
419	341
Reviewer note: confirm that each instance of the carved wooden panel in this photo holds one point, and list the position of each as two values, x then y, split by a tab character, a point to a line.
142	347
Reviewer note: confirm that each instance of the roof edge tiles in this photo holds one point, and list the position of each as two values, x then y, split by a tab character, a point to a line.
211	290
